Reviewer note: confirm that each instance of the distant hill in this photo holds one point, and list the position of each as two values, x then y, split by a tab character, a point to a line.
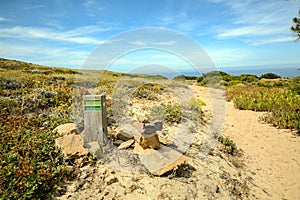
7	64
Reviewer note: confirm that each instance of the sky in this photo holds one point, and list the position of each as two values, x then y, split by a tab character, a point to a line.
233	33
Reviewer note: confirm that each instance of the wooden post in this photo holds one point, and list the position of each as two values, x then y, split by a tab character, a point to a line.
95	123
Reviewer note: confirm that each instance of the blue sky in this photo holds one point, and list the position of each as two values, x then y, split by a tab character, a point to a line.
233	33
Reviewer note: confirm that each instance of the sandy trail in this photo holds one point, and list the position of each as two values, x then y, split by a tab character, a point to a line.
271	158
271	155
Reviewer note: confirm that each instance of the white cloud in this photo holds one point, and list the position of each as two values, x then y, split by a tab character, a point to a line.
273	40
250	31
92	7
31	7
49	56
77	35
139	43
3	19
215	1
258	20
166	43
146	43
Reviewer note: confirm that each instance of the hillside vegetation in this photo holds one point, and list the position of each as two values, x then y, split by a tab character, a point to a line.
34	100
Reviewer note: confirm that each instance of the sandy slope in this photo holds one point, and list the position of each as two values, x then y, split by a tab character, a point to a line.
272	155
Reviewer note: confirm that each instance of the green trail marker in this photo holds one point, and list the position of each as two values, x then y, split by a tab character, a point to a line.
95	123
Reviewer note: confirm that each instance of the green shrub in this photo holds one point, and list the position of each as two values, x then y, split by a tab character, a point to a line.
32	105
294	84
191	77
196	103
31	165
179	78
157	112
168	112
269	76
173	113
229	145
148	91
249	78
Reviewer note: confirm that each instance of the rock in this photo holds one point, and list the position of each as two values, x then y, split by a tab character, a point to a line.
164	140
71	145
163	160
118	142
46	124
138	149
126	144
149	141
79	184
111	180
127	131
81	162
66	129
143	120
139	126
94	149
124	136
105	193
84	175
110	121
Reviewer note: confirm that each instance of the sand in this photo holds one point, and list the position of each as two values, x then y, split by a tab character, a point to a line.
272	155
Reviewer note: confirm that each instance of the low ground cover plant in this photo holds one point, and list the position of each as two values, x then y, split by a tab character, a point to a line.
282	104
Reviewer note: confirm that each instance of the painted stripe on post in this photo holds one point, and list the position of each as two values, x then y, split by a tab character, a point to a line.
92	108
93	102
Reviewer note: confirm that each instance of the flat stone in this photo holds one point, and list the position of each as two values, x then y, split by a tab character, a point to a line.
163	160
124	136
163	140
126	144
71	145
138	149
127	131
118	142
66	129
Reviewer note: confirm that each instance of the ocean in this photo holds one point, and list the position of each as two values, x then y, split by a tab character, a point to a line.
287	72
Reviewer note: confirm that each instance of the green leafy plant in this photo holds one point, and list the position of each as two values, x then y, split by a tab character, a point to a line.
31	165
269	76
229	145
196	103
173	113
148	91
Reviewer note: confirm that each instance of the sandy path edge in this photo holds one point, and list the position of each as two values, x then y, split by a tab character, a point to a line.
271	155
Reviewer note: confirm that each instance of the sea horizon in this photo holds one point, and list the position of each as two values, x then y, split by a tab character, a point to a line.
287	72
